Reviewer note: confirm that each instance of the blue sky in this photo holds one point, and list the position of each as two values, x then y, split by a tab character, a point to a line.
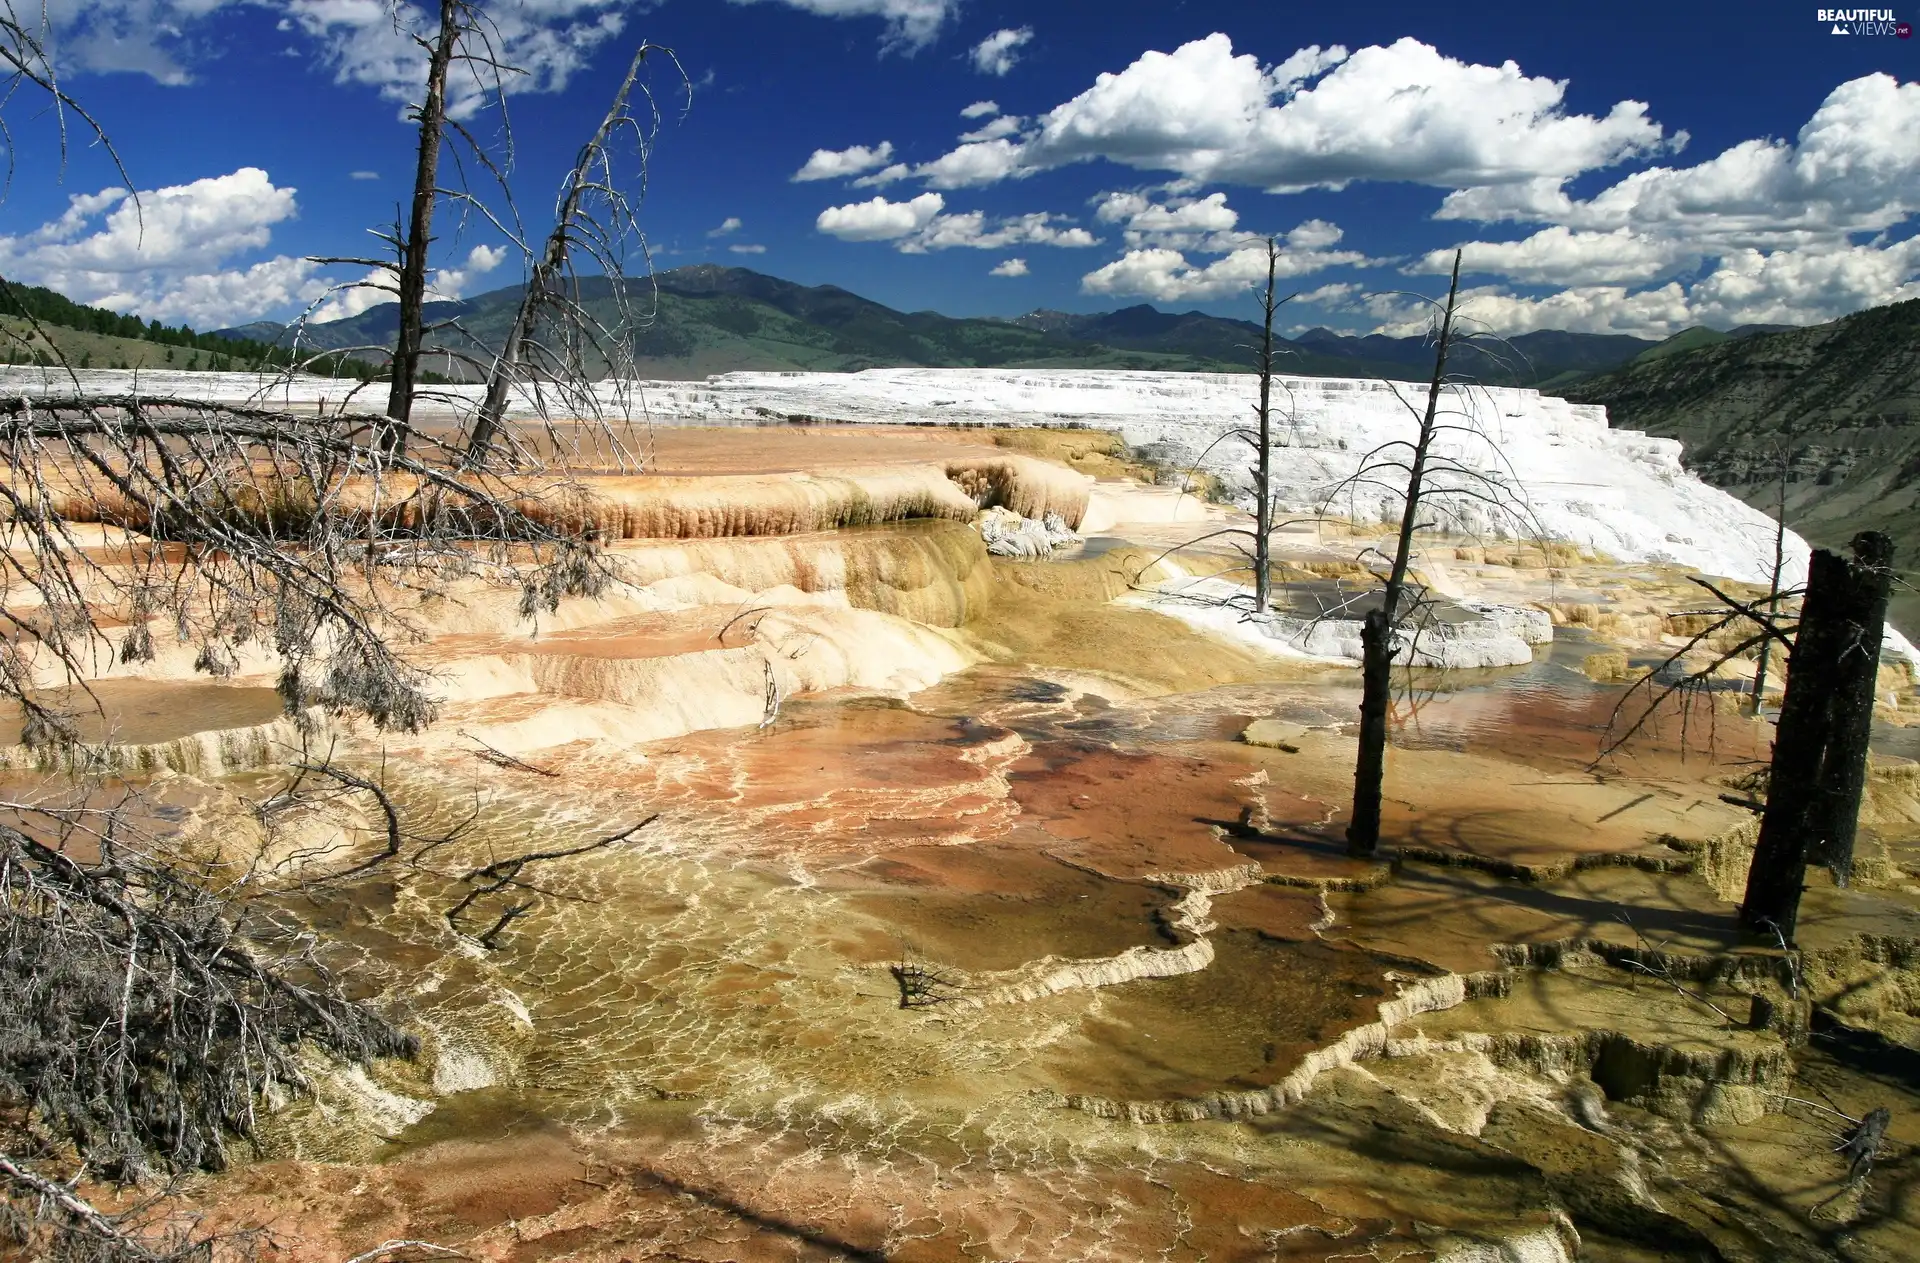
1619	168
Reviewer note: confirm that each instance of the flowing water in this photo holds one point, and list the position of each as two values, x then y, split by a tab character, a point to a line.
883	975
724	990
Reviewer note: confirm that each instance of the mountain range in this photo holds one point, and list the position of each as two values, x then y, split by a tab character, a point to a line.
708	319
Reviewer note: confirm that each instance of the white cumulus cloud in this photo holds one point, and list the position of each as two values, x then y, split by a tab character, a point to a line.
1766	231
214	300
997	53
974	163
1322	118
921	225
1562	256
884	176
165	256
1166	275
974	230
456	282
1206	224
1855	167
345	299
1651	313
1005	125
728	226
371	42
837	164
1009	267
748	249
981	109
1805	286
360	41
878	219
349	298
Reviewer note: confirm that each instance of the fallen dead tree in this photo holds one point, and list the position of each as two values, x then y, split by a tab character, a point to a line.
147	1010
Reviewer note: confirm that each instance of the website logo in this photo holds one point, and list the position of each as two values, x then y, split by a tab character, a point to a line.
1863	22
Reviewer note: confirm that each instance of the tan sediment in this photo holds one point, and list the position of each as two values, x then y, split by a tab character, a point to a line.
715	1037
798	649
212	753
1892	797
1032	488
1422	995
1641	1040
932	573
1550	870
1051	977
1734	1076
1191	915
644	506
1607	666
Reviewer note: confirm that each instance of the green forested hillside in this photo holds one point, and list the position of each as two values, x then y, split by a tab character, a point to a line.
707	319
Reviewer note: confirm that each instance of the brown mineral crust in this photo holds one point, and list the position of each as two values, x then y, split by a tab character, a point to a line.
1132	815
1283	913
836	788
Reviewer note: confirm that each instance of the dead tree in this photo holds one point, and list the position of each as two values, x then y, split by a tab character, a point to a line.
431	115
232	528
1263	442
1843	772
1254	544
461	39
47	1219
1425	473
508	875
571	363
592	216
143	1011
1377	629
1820	752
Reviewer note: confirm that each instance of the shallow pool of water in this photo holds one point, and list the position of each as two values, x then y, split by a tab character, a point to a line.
143	712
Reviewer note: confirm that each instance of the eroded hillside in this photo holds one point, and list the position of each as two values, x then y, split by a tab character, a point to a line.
1841	400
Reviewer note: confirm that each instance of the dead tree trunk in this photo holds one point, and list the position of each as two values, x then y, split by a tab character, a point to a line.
572	218
1370	768
1263	468
412	281
1376	638
1819	754
1843	773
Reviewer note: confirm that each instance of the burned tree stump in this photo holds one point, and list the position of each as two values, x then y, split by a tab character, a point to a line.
1843	774
1820	751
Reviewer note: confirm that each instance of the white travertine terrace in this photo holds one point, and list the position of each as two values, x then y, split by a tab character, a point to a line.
1620	493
